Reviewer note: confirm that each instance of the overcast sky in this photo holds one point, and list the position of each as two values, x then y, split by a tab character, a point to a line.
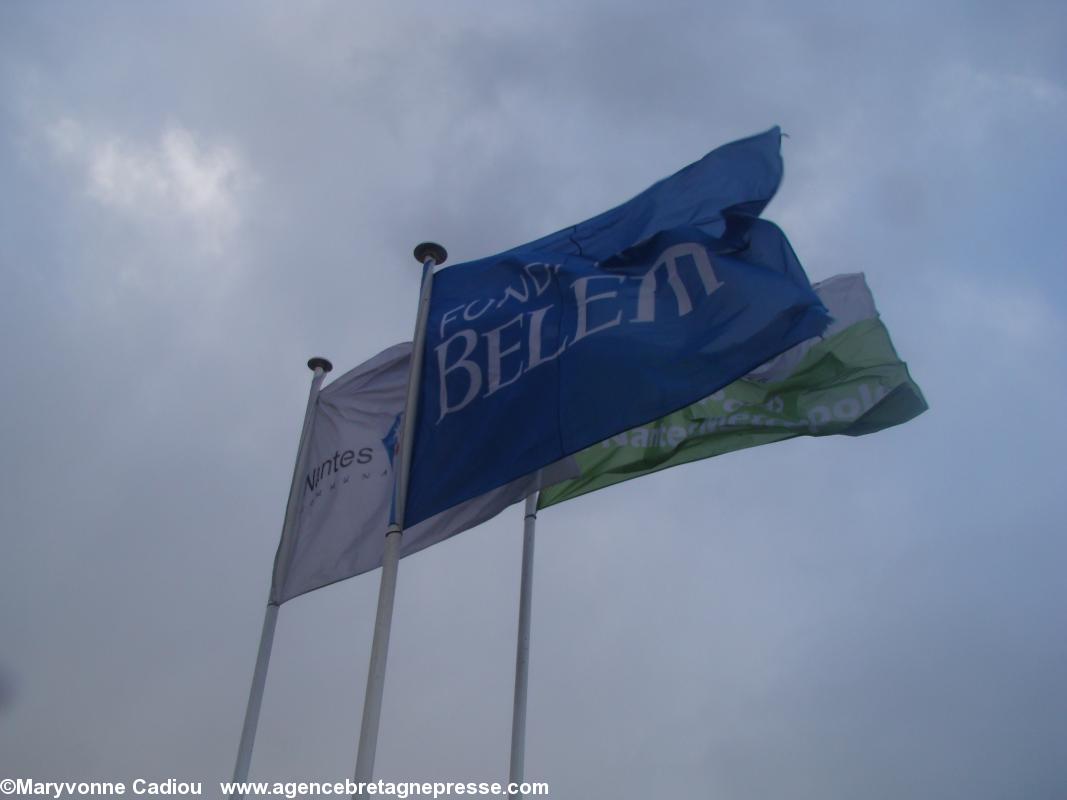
196	198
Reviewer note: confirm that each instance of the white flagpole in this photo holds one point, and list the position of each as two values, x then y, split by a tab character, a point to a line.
429	255
319	366
522	647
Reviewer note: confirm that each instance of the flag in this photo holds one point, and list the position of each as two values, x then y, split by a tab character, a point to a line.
543	350
848	381
347	486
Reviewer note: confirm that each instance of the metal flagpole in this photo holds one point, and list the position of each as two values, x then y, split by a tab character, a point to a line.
319	366
522	647
430	255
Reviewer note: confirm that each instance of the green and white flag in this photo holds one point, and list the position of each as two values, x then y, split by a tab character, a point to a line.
850	380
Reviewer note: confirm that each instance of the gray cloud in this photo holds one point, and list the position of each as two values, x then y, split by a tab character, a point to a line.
879	617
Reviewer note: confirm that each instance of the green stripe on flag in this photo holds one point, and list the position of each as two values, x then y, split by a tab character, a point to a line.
849	383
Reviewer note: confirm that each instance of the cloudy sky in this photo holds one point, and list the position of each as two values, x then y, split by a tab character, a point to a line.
198	198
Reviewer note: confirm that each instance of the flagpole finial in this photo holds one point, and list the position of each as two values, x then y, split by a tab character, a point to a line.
319	363
431	250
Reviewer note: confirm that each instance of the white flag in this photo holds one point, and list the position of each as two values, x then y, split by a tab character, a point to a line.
347	487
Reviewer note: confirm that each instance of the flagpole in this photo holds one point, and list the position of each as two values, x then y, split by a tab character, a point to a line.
522	647
429	255
319	367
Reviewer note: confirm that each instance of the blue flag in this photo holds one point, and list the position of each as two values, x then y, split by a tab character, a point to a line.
543	350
